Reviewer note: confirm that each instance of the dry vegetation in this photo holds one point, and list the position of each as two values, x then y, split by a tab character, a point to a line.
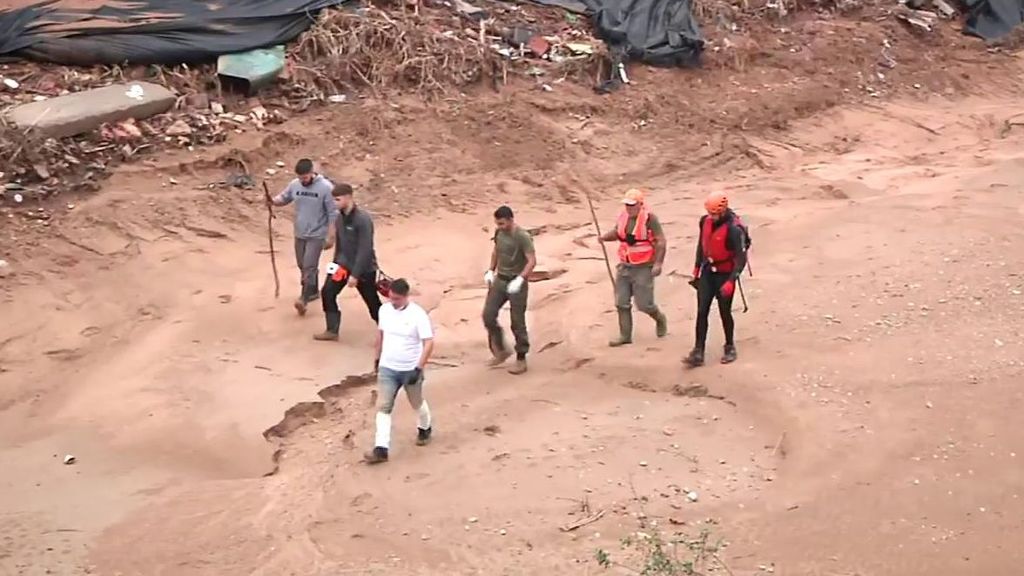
386	51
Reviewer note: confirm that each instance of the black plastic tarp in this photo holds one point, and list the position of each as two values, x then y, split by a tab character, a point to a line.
658	32
993	19
152	31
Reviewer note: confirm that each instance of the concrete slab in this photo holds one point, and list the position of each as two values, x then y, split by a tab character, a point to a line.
85	111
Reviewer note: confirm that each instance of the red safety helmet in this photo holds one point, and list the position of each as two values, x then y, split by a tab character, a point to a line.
716	203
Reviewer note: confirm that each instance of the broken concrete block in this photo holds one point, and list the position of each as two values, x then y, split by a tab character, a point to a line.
471	11
179	128
85	111
538	45
945	9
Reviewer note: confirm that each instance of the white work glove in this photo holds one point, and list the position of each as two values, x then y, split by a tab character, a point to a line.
516	285
489	277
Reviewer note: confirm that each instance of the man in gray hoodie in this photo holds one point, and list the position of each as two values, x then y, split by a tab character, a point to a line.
354	264
315	214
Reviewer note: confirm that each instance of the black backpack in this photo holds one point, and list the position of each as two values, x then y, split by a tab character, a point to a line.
743	228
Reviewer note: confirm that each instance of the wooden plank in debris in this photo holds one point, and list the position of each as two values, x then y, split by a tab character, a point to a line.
921	19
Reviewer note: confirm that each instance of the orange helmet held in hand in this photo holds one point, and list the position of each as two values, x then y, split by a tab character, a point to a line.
716	203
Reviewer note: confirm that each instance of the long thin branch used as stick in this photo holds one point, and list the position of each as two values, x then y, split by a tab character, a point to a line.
722	563
270	238
778	445
597	227
583	522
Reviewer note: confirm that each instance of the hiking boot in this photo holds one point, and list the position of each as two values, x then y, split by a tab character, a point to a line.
326	336
695	359
620	341
376	456
661	325
519	367
300	306
729	355
499	358
423	436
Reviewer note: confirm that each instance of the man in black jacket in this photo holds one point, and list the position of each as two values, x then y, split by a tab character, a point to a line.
355	262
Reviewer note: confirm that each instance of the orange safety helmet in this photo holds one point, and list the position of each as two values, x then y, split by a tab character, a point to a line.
633	197
716	203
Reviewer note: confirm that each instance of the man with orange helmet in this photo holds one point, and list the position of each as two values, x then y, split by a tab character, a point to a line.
641	253
721	257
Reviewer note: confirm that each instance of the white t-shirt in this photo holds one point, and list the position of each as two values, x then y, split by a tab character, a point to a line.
404	331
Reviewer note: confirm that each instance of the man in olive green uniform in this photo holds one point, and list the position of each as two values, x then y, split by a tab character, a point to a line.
512	260
641	255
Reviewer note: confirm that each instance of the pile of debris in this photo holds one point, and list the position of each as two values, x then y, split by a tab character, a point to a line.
52	147
433	49
424	48
916	13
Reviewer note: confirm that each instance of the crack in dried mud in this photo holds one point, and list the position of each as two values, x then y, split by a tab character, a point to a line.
304	413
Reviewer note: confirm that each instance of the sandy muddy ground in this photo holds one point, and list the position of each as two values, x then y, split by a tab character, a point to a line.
870	426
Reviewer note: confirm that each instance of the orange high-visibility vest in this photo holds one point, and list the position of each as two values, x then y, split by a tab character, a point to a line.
642	251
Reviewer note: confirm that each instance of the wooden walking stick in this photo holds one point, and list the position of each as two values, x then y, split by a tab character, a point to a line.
270	238
597	226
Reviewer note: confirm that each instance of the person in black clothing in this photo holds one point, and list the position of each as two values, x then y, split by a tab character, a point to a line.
355	262
721	257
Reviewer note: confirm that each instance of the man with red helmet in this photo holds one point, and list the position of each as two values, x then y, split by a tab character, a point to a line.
721	257
641	253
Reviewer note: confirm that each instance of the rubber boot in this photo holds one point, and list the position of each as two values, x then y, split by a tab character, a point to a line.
333	324
660	324
729	354
695	359
625	329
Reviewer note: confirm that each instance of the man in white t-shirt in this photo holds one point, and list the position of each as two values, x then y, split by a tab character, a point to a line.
405	340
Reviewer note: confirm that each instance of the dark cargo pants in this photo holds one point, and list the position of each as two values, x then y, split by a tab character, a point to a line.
497	295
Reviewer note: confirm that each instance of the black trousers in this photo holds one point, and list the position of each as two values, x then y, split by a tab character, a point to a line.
367	289
709	289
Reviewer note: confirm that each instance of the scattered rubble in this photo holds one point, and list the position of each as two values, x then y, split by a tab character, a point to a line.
431	50
917	19
690	391
178	128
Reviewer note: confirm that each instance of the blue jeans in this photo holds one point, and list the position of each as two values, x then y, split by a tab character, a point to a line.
389	382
